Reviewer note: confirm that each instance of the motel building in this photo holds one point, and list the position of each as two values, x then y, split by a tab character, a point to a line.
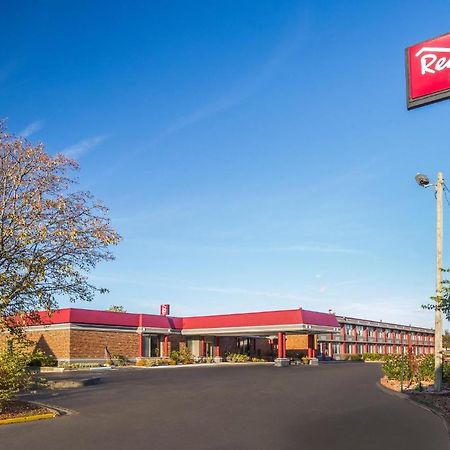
82	335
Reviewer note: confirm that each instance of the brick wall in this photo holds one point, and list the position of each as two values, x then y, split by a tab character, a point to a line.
52	342
91	344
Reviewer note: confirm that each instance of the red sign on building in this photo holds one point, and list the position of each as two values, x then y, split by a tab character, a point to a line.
164	310
428	71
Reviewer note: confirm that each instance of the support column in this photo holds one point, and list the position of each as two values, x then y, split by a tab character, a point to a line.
311	349
217	356
140	338
366	340
343	339
281	361
202	349
375	338
355	337
166	346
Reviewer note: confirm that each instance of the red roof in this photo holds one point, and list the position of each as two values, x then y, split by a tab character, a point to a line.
110	318
283	317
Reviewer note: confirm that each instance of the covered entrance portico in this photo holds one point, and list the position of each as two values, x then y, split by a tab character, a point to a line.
212	333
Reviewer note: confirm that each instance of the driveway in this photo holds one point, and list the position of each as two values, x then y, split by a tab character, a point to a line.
233	408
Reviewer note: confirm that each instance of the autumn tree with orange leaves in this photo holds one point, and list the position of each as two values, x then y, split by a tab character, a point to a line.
51	235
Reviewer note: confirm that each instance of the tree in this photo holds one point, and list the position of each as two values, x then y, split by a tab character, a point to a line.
446	339
441	302
117	308
51	235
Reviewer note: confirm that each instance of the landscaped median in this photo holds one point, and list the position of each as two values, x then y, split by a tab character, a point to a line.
413	376
18	411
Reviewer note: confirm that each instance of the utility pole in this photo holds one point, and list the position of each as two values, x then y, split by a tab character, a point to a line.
439	186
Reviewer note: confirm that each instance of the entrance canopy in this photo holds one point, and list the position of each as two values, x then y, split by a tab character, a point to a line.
265	323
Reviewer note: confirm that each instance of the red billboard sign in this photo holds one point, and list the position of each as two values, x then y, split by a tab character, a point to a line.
428	71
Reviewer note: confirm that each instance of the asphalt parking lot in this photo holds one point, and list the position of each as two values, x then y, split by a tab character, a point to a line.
237	407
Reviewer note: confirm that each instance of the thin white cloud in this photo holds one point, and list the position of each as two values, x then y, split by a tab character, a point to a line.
32	128
316	248
82	147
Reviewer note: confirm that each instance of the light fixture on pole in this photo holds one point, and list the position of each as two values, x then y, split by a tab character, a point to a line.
423	181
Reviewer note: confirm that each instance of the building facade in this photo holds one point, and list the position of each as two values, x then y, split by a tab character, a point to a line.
82	335
358	336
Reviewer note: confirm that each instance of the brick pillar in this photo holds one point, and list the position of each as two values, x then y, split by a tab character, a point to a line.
281	345
330	346
355	337
166	346
217	346
365	337
141	341
385	343
342	338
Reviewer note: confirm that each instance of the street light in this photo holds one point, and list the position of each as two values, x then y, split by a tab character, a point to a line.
423	181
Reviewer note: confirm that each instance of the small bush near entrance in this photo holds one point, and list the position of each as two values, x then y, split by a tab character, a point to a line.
355	358
183	356
119	360
237	358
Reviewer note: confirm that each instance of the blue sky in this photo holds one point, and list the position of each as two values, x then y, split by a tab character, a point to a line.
254	155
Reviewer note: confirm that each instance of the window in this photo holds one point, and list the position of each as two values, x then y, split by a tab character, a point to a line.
359	330
348	328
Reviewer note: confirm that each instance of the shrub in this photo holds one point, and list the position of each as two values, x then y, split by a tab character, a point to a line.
426	368
119	360
373	357
394	365
237	358
185	356
14	375
344	356
415	368
39	359
175	356
355	358
142	362
258	359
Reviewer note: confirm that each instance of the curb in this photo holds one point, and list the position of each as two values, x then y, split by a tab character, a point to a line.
199	365
55	412
28	418
415	401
